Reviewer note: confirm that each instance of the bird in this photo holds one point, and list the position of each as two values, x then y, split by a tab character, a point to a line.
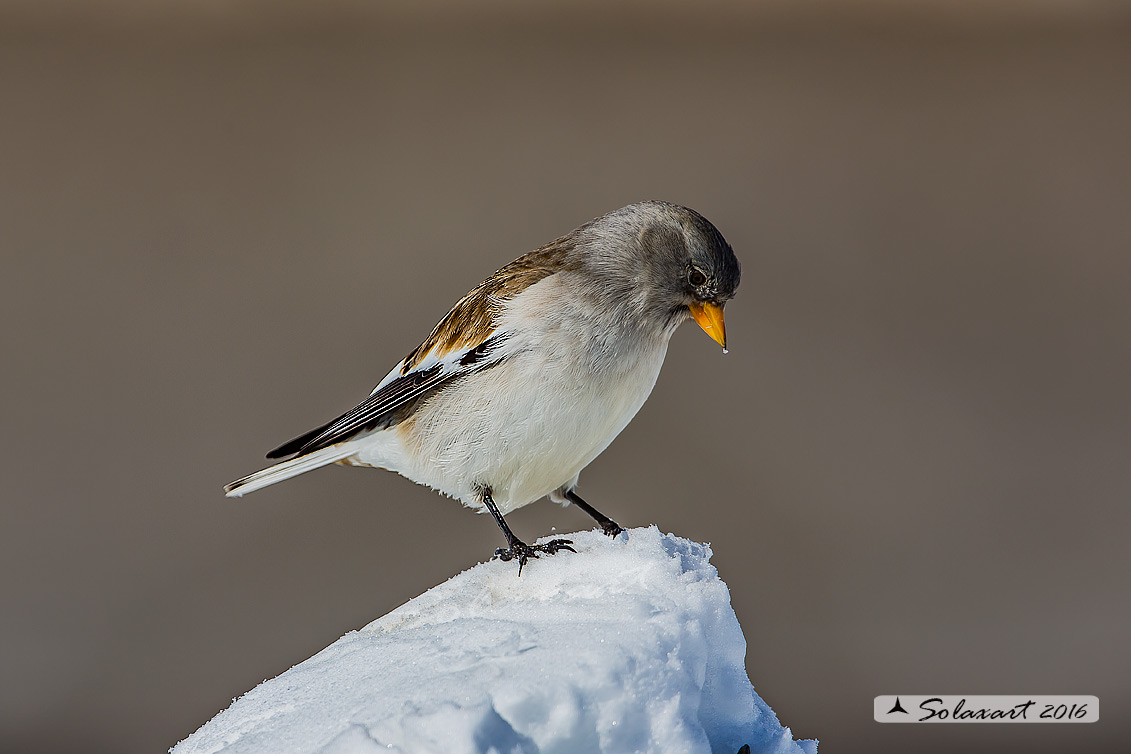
535	371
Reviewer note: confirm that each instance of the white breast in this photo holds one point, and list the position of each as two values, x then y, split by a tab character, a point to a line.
528	426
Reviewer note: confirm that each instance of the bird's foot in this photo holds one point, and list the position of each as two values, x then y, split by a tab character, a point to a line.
522	552
611	527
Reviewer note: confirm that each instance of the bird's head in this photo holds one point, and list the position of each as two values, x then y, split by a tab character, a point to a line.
672	262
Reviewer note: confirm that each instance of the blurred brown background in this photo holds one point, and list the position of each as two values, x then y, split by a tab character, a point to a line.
223	222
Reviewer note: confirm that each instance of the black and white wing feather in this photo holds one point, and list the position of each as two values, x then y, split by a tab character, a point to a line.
393	400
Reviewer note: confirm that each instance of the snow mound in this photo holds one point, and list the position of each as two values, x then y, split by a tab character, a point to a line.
629	645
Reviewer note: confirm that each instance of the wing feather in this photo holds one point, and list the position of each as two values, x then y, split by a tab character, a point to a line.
395	399
465	341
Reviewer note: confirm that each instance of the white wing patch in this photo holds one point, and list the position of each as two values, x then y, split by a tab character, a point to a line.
430	360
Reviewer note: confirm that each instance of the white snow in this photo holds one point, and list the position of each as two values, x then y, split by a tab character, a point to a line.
629	645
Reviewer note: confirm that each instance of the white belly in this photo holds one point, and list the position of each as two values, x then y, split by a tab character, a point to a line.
523	428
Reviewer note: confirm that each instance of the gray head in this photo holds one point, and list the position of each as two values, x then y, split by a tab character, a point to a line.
665	262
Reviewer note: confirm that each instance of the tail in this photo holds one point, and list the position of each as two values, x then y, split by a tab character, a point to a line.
288	469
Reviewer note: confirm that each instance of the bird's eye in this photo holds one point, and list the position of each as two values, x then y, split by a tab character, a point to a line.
696	277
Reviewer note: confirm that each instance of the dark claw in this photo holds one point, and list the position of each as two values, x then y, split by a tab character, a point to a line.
612	528
524	552
554	545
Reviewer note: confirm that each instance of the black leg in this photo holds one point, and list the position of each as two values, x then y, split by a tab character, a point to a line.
516	548
511	538
609	526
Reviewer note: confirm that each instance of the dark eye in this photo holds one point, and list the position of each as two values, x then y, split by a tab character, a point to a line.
696	277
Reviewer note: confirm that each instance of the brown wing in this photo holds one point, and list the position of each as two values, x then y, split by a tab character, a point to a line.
473	318
461	344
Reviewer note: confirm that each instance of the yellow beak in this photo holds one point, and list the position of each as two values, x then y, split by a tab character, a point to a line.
710	318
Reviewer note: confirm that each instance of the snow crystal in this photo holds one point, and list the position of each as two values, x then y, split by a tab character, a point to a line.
629	645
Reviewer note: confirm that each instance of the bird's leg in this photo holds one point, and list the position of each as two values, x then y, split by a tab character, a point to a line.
516	548
609	526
